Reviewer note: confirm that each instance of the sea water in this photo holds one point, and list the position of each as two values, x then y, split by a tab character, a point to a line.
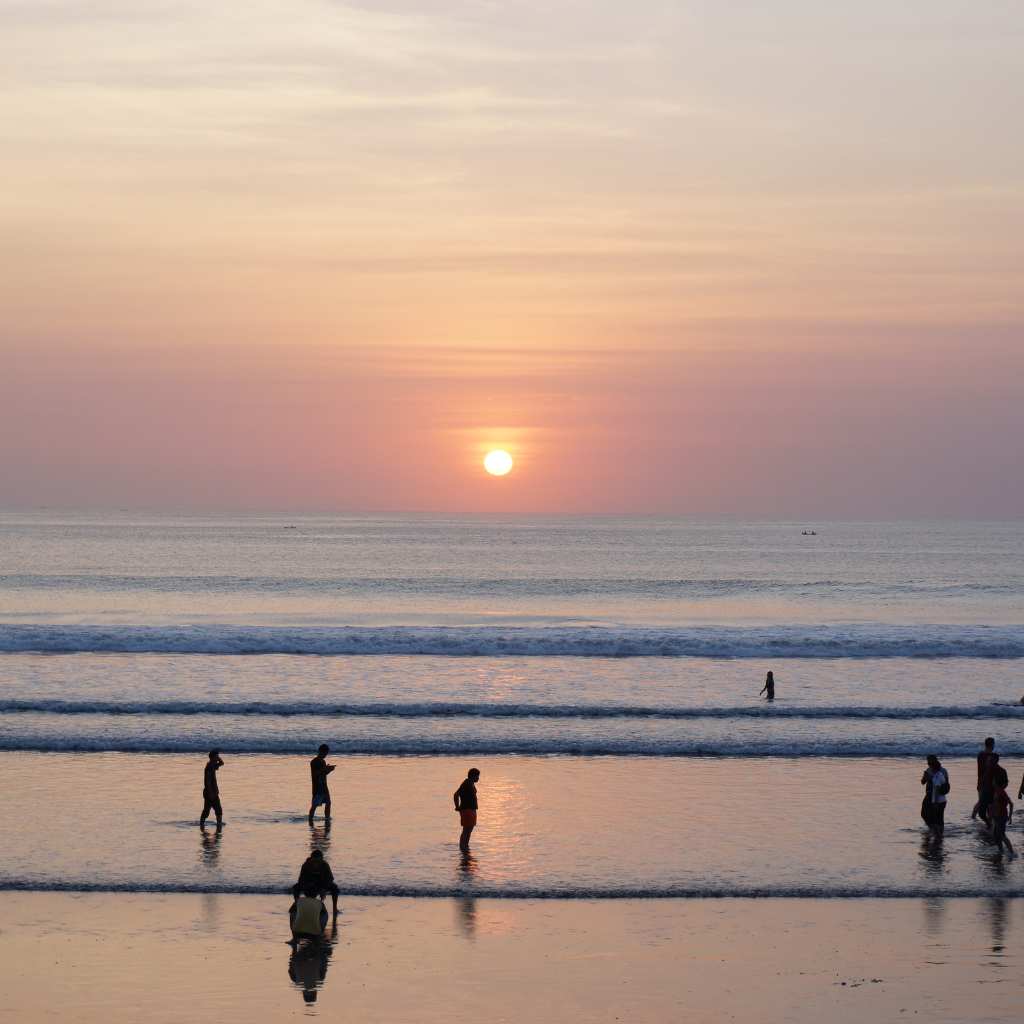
602	673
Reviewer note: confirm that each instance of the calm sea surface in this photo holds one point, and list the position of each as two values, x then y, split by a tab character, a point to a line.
602	673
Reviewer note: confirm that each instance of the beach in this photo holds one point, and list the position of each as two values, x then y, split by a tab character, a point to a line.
92	958
655	840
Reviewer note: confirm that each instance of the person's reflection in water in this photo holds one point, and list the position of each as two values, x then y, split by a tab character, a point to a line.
209	846
934	916
997	908
933	855
320	837
308	961
465	905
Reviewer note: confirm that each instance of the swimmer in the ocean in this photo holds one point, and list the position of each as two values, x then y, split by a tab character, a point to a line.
769	686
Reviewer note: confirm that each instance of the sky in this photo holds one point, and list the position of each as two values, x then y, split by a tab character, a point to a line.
699	258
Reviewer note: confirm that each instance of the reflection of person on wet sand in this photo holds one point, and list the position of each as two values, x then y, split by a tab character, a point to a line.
769	686
466	904
209	846
466	806
211	791
307	964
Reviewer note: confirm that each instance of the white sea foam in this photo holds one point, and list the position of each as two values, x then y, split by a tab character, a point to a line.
846	641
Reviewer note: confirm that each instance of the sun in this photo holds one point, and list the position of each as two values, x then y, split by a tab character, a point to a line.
497	462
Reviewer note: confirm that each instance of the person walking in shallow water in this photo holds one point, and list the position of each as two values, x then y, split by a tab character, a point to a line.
211	791
466	805
319	769
1001	809
769	686
936	782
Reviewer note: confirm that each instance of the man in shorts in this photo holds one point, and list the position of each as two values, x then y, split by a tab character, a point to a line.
316	879
319	769
211	791
466	806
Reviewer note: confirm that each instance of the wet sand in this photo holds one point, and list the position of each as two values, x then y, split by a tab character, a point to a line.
110	957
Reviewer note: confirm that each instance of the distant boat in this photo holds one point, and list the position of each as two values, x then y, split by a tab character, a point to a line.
809	533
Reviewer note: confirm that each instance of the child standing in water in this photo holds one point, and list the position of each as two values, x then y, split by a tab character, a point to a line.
1001	809
769	686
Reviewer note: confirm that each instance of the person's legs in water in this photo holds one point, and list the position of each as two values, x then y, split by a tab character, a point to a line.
211	805
999	836
468	824
938	819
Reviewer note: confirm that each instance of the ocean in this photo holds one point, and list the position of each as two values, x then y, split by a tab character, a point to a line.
602	673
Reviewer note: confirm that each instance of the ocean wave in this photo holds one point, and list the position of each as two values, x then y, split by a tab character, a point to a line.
509	891
832	641
500	746
454	709
477	586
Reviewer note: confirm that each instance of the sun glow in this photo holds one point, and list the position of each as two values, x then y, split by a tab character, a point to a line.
497	462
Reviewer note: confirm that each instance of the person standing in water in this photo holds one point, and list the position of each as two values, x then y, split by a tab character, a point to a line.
769	686
936	779
211	791
466	805
319	769
1001	809
987	761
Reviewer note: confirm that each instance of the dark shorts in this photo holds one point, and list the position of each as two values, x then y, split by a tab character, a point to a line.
468	818
321	796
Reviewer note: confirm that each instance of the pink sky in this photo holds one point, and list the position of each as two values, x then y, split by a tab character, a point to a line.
676	257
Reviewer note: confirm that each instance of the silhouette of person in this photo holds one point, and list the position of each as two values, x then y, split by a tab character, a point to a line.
466	806
211	791
316	877
769	686
936	782
987	761
319	769
1001	809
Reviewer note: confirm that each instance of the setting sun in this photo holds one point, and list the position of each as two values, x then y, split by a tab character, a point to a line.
498	462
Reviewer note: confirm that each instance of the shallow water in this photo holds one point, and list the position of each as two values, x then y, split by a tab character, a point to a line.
554	827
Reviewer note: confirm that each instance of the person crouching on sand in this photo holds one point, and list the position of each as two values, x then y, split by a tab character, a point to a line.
466	806
316	878
211	791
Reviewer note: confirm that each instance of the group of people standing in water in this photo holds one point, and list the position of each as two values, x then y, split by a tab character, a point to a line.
993	807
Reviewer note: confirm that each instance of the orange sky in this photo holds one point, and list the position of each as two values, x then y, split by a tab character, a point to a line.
676	257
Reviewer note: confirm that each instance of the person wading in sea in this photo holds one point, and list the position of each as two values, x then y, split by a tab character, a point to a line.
319	769
936	781
466	805
987	761
769	686
211	791
1001	809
